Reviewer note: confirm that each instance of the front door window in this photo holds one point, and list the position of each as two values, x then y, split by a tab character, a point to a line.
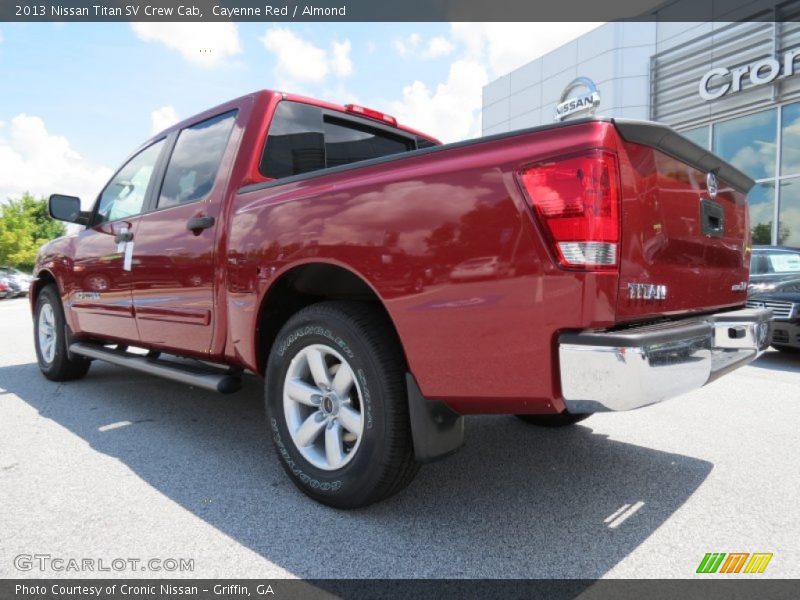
125	194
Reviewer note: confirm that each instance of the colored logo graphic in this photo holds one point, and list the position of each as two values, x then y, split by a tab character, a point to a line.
735	562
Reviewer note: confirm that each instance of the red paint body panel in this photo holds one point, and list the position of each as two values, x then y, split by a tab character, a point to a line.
483	344
447	240
97	269
662	242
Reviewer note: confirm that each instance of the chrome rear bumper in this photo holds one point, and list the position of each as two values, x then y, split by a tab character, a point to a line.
631	368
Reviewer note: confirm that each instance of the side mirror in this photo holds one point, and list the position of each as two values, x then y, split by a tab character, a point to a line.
67	208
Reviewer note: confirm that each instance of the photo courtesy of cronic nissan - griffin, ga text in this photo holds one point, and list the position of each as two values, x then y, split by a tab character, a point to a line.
385	285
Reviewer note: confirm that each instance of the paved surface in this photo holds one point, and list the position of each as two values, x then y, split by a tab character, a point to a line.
183	473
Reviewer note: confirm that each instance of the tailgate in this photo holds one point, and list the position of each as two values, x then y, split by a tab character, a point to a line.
684	248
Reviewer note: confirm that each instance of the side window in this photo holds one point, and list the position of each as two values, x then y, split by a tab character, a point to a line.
195	160
295	143
348	142
125	194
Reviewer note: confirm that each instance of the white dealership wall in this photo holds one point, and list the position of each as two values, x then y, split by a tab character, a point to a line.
616	56
621	59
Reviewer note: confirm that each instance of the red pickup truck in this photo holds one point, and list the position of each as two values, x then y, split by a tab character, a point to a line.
385	285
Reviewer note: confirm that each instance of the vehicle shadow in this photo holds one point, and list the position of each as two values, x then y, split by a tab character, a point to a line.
778	361
515	502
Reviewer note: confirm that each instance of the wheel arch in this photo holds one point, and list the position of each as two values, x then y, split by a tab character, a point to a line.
43	278
306	284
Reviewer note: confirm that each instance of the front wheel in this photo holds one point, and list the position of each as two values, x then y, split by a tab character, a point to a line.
563	419
50	338
337	406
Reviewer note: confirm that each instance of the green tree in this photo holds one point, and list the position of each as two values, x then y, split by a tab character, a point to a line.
762	233
24	226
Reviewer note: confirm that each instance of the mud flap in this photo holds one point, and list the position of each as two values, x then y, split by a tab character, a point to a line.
437	431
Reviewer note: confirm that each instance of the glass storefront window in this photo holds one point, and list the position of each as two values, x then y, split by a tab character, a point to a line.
789	230
749	143
699	135
790	140
762	210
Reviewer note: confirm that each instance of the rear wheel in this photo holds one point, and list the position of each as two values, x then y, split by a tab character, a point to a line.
560	420
50	339
337	406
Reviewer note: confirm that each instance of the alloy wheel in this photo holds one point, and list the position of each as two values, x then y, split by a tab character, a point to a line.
323	408
47	333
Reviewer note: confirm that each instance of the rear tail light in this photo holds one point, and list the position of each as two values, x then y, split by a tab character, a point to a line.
577	201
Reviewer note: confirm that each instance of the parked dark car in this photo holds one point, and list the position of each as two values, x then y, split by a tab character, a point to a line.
4	289
775	284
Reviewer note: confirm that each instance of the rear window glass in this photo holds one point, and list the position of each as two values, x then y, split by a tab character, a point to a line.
295	143
302	139
347	142
424	143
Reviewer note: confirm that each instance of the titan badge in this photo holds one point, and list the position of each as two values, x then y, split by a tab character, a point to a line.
87	296
647	291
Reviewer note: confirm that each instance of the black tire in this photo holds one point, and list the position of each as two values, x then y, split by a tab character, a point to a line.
786	349
563	419
383	460
62	366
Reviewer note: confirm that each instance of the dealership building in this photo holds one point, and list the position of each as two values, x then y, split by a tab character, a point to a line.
731	87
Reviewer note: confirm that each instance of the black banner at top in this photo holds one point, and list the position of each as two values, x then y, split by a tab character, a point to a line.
405	10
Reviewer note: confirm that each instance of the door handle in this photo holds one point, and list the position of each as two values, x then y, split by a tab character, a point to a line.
123	236
197	224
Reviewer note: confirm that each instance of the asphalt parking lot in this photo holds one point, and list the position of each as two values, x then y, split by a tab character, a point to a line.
123	465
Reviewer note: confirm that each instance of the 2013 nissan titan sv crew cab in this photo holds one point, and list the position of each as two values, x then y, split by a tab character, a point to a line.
385	285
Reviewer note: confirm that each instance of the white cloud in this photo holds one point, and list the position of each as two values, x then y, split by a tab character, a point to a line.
450	111
1	37
408	44
340	93
204	44
34	160
340	61
506	46
438	46
163	117
414	46
300	61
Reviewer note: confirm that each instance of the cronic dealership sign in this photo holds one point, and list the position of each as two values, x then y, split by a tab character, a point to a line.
719	81
586	101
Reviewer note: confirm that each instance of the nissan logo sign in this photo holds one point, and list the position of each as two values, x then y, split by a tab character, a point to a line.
719	81
586	101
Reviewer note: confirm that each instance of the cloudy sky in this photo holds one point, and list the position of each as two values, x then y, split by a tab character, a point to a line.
78	98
